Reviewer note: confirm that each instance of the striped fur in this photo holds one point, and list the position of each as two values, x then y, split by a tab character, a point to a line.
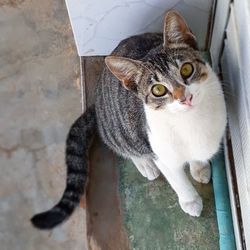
120	113
78	141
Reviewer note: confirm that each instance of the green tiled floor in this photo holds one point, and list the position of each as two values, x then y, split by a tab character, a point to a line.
153	218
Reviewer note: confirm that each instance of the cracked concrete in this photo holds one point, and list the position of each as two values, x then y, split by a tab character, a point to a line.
39	99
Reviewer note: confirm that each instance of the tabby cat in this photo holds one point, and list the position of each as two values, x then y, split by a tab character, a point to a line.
159	104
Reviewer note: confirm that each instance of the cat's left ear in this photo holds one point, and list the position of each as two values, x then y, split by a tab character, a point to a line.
128	71
177	32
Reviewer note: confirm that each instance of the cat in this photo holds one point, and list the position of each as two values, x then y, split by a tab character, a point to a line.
159	104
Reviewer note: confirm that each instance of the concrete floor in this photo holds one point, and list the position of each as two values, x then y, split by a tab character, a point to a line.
39	99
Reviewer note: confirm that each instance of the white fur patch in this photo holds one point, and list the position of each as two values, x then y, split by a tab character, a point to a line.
189	133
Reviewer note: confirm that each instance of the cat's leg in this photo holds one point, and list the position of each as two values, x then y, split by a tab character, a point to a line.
190	201
200	171
146	167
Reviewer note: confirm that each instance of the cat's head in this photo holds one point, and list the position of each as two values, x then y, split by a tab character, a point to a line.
172	76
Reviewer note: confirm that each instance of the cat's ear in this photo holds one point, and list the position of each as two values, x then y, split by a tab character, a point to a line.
128	71
176	32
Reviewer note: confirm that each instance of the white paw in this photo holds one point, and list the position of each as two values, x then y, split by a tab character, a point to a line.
193	207
151	173
201	172
147	168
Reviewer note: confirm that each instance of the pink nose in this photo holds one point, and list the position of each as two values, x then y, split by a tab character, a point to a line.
187	100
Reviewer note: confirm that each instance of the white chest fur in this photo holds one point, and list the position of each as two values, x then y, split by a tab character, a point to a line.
191	135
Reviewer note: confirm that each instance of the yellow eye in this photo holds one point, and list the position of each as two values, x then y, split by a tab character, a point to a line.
159	90
187	70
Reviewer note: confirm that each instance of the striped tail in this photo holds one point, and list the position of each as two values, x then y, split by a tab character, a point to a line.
77	144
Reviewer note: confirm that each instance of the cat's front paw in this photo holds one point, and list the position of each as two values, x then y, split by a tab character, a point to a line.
146	167
201	171
193	207
151	173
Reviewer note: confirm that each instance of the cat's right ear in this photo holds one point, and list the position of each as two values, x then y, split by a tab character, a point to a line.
128	71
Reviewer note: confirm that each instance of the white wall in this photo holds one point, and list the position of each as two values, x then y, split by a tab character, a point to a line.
99	26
